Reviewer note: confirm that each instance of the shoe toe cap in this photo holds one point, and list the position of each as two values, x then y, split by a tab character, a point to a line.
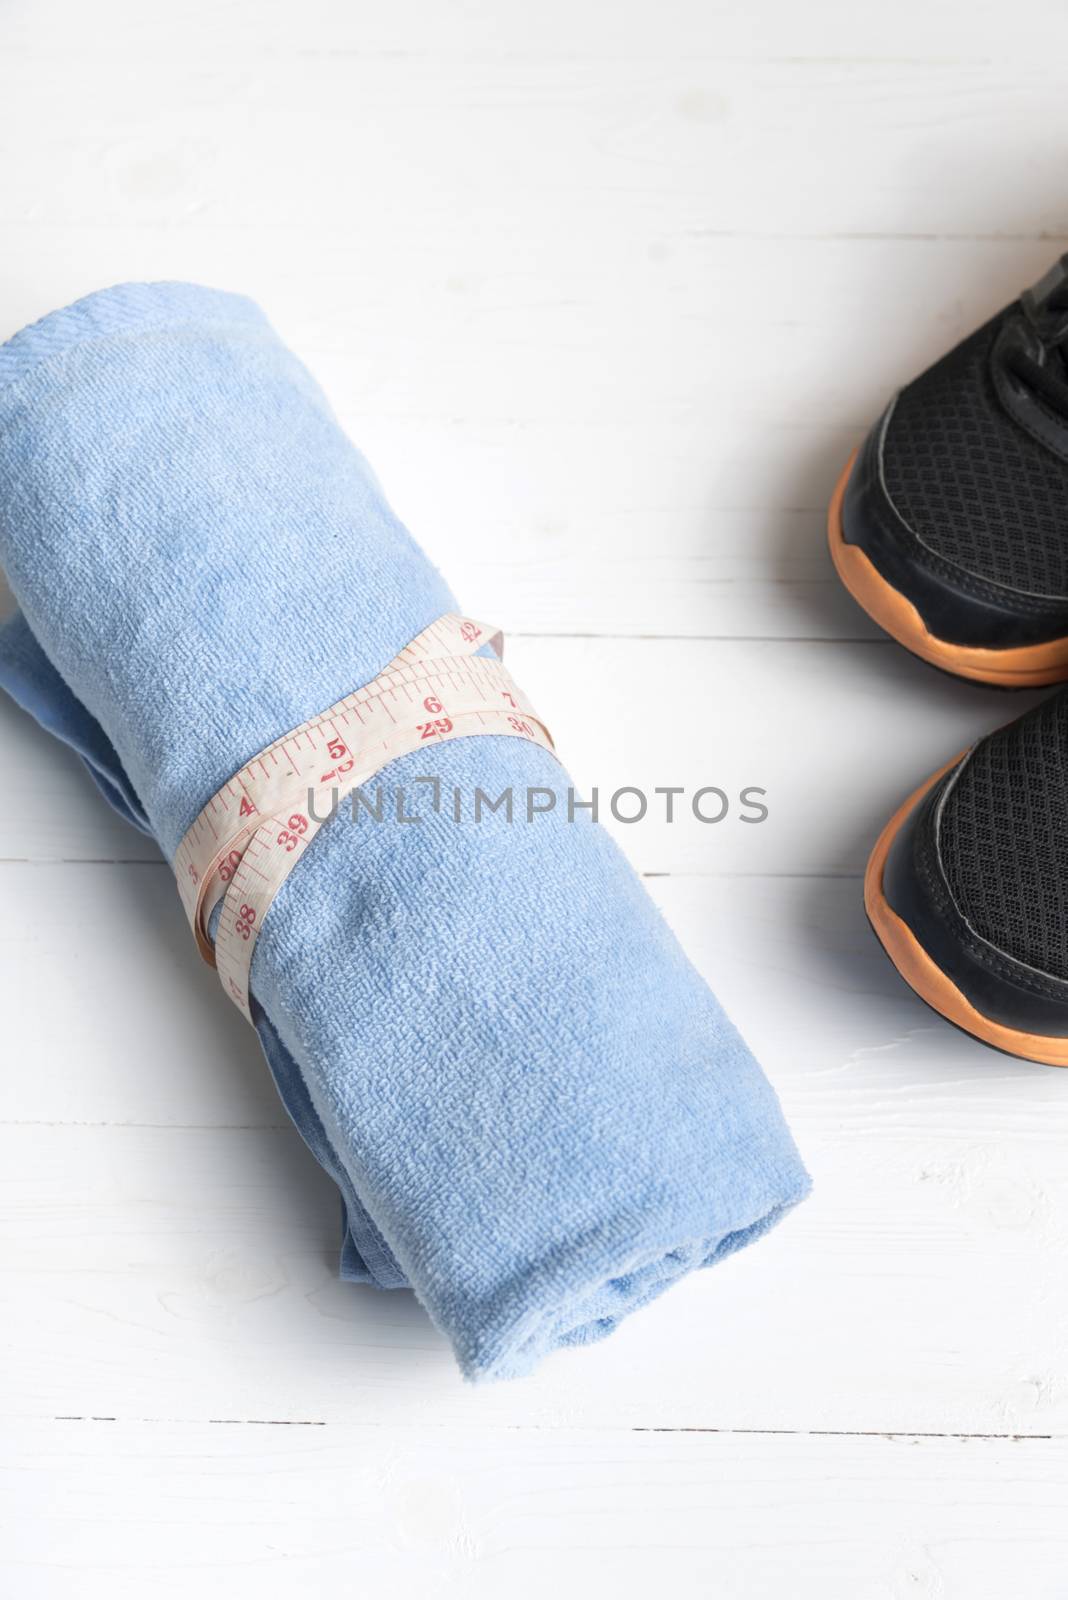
963	896
960	607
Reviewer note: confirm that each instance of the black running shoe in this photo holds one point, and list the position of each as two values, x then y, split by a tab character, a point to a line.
950	525
967	888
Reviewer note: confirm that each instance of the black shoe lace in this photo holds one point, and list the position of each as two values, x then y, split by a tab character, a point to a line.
1048	378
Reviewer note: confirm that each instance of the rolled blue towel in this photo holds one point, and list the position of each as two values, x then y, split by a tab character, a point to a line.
536	1113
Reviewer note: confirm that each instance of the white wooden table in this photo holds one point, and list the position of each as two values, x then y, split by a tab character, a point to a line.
606	291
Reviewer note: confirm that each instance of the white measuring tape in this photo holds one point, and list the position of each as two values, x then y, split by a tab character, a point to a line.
247	840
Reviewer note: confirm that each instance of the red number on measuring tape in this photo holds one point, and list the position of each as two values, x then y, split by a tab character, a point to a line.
432	730
521	727
246	808
506	696
432	703
245	918
469	632
337	749
228	867
290	837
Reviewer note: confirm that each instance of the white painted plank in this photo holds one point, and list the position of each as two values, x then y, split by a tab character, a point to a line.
618	321
112	1011
184	1265
468	1515
847	1042
672	30
640	440
835	142
606	298
190	1274
835	734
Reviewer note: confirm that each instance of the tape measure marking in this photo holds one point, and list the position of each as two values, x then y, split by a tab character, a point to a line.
249	837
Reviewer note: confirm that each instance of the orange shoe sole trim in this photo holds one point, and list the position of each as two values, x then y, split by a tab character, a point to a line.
923	975
1016	667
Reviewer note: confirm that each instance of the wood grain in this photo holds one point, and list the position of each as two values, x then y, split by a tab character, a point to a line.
606	294
463	1514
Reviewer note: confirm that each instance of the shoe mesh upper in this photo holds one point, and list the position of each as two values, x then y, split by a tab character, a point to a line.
1003	838
971	483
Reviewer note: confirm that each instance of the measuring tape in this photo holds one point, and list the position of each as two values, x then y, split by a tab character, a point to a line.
249	837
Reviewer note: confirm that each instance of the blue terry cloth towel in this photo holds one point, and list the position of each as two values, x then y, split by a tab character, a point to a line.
537	1114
